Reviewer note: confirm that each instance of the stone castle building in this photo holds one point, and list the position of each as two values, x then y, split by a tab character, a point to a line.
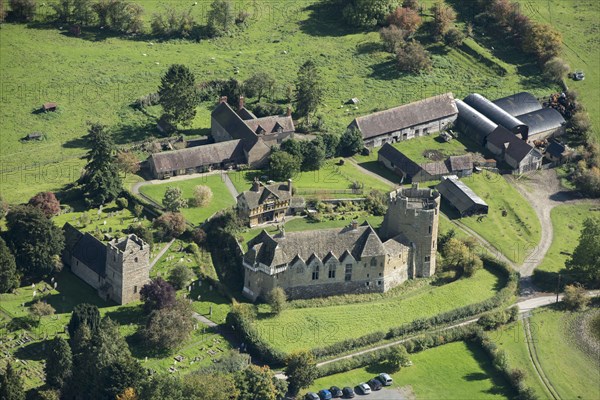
353	259
117	269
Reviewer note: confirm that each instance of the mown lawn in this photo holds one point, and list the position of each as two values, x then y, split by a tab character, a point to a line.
573	373
221	198
306	328
453	371
514	235
97	76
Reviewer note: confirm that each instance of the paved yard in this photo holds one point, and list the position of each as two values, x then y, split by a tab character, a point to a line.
384	394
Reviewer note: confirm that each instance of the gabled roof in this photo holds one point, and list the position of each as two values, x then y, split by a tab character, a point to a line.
459	194
400	161
459	163
232	122
512	146
555	148
405	116
255	198
193	157
271	123
91	252
246	114
518	104
411	168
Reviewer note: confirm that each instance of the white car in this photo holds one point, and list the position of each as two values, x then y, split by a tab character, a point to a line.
364	388
385	379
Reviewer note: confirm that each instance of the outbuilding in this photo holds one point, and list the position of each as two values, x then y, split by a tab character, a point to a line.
461	197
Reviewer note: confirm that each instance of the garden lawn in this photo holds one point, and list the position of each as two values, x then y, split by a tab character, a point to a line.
453	371
511	338
573	373
307	328
221	198
514	235
95	77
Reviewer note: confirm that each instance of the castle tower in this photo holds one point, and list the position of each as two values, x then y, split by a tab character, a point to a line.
127	268
413	214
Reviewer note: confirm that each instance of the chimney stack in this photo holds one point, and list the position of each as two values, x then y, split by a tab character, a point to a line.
288	112
290	186
255	185
241	103
354	224
223	99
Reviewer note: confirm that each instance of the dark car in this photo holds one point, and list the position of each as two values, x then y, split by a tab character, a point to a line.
325	394
375	384
348	392
336	391
311	396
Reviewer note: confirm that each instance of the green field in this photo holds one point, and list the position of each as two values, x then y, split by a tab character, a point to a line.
572	372
577	21
305	328
96	77
514	235
196	215
453	371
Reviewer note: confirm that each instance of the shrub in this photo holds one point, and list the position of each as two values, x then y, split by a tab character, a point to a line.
406	19
555	69
122	202
393	38
454	37
47	202
575	297
202	195
180	276
276	299
170	225
413	58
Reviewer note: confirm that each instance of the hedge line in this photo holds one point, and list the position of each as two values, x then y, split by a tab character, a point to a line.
422	324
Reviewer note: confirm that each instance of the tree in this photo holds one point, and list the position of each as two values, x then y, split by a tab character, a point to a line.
309	89
220	17
256	382
11	386
127	162
585	260
22	10
301	370
555	69
123	203
580	123
587	180
351	143
443	17
41	309
367	13
412	4
34	240
259	84
199	236
119	15
9	278
575	297
127	394
138	209
283	166
202	195
83	12
157	294
100	182
178	95
393	38
413	58
62	10
170	224
376	202
172	23
454	37
543	41
314	157
169	327
330	144
276	299
398	358
59	363
142	232
86	315
405	19
173	199
180	276
47	202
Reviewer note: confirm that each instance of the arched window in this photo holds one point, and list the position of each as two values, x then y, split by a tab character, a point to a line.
332	271
315	274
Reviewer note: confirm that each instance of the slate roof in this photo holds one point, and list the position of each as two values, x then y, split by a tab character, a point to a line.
232	122
271	123
246	114
458	194
518	104
411	168
255	198
86	248
459	163
412	114
542	120
517	149
193	157
555	148
494	112
314	244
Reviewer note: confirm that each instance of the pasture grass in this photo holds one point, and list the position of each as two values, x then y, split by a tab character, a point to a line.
221	198
306	328
97	76
456	370
573	373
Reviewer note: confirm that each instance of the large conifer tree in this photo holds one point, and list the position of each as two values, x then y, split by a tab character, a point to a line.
178	95
309	89
59	363
11	387
9	278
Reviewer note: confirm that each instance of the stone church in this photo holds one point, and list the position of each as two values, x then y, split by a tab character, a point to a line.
353	259
117	269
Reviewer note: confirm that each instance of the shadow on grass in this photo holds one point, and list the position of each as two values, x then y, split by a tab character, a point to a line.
386	70
76	143
135	132
35	351
128	315
500	385
368	48
377	168
322	20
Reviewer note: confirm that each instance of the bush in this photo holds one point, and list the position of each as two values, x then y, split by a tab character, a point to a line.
406	19
277	299
22	10
180	276
202	195
575	297
267	109
393	38
454	37
122	203
47	202
413	58
367	13
556	69
170	225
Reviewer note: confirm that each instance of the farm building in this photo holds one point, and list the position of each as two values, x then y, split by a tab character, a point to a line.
497	115
473	124
399	163
555	151
49	107
461	197
408	121
197	159
518	103
265	203
519	155
543	123
34	136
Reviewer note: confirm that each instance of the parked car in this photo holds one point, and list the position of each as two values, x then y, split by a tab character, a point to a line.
348	392
363	388
325	394
311	396
385	379
375	384
336	391
578	75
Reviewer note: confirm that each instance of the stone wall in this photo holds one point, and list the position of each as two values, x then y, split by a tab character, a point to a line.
411	132
84	273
